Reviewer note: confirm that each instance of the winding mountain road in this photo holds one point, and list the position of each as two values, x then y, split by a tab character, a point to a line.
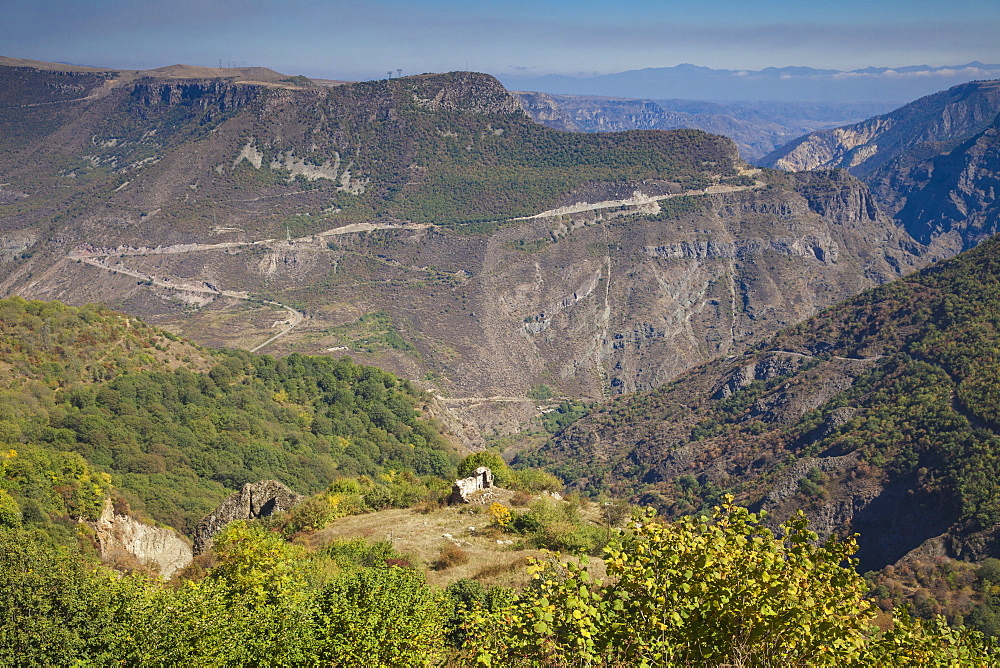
101	257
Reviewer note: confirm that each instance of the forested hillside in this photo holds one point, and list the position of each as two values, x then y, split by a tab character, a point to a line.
102	399
877	416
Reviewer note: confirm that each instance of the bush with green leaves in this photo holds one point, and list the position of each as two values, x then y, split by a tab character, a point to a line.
710	591
380	616
557	525
537	480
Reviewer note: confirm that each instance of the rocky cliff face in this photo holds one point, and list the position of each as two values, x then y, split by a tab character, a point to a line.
923	125
219	95
930	164
163	549
949	202
255	500
320	220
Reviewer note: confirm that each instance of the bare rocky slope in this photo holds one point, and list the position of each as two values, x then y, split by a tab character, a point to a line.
949	201
423	224
948	116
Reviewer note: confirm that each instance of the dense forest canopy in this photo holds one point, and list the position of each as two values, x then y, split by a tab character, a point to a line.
176	428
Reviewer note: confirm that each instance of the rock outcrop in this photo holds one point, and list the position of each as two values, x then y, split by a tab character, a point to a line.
949	202
255	500
219	94
481	479
157	547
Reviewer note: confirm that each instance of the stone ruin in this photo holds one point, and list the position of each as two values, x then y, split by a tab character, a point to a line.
481	479
256	499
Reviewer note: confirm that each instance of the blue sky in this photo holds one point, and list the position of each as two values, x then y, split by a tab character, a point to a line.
363	39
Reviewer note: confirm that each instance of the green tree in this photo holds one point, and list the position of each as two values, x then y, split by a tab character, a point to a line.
380	617
257	565
54	610
10	512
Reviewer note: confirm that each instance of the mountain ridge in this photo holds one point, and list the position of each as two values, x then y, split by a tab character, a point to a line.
931	163
757	129
423	224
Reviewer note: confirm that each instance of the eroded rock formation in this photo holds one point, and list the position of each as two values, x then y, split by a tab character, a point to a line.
157	547
255	500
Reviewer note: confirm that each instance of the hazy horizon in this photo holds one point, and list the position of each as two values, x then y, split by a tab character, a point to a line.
340	39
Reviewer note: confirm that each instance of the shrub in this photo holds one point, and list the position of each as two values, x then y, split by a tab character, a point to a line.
358	552
520	499
540	393
500	515
535	480
379	617
711	591
10	512
988	572
450	556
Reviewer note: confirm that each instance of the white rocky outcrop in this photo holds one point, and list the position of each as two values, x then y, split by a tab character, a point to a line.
164	549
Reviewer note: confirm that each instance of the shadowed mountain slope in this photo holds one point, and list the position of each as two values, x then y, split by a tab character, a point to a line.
931	164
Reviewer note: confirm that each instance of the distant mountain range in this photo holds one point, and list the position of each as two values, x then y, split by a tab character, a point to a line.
872	84
757	127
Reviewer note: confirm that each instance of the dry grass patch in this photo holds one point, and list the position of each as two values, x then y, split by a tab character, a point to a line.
495	571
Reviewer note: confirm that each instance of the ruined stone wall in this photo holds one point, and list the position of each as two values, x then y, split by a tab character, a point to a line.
481	479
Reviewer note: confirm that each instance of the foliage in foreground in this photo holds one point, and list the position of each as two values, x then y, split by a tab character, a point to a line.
700	591
265	603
